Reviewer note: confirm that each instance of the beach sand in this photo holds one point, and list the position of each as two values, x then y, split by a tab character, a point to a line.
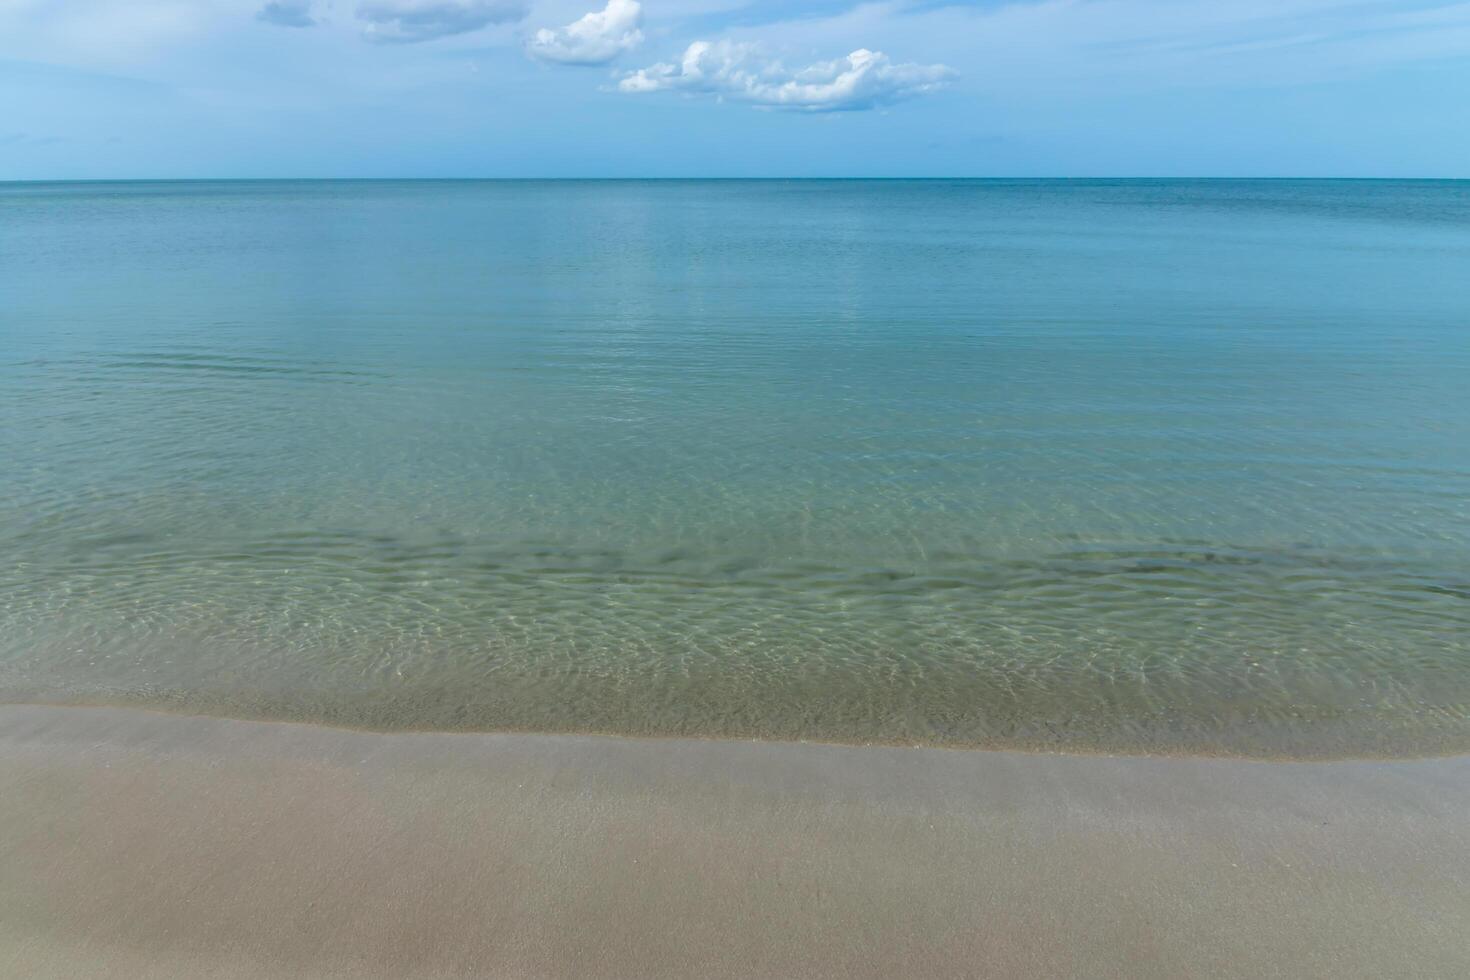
147	845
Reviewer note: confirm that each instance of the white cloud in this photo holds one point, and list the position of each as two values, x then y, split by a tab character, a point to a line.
287	13
593	39
407	21
862	80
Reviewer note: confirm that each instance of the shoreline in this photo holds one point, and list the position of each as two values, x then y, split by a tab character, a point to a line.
148	843
1305	750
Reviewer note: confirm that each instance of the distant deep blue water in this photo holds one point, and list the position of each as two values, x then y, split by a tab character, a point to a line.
1135	466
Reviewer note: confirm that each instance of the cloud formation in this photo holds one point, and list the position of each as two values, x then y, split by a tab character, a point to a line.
862	80
408	21
593	39
287	13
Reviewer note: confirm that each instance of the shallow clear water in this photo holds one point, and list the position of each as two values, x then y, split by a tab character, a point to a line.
1163	466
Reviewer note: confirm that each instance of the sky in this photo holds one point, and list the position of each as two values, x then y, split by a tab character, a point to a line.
731	88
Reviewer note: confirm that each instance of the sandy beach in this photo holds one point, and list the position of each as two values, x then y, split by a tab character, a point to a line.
149	845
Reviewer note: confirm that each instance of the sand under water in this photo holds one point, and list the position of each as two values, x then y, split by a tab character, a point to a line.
1156	468
1145	467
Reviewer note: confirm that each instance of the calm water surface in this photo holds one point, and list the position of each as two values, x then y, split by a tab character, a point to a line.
1135	466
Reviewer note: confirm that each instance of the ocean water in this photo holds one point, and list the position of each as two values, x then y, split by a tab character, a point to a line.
1160	466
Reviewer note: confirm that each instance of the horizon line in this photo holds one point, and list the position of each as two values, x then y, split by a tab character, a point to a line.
690	179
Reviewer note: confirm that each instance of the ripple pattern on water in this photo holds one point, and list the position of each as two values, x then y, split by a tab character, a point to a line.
1155	465
1174	647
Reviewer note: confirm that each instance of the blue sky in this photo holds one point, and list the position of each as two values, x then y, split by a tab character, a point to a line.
200	88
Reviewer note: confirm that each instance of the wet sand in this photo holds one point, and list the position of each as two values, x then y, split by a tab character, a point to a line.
146	845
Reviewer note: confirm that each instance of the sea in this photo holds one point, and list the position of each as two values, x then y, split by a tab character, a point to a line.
1124	466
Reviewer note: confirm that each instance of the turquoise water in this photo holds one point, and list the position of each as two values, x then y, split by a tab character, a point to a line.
1135	466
